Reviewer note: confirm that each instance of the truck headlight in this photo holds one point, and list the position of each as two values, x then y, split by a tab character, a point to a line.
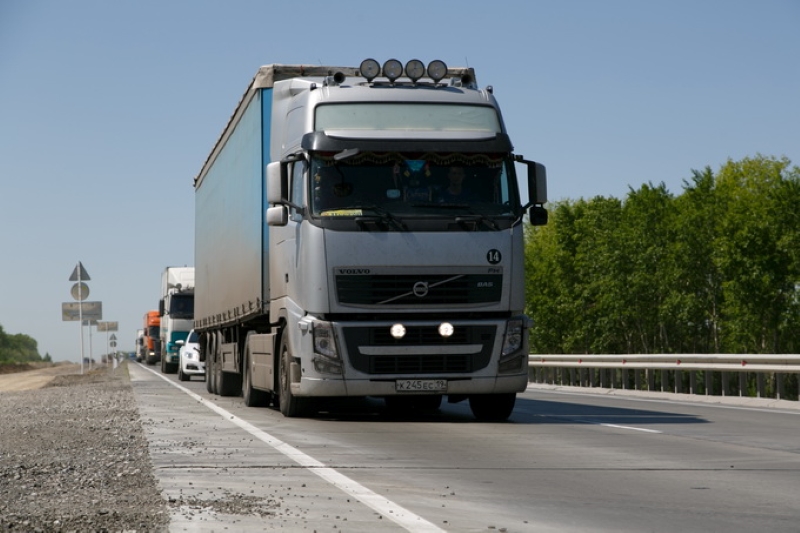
326	356
513	337
324	343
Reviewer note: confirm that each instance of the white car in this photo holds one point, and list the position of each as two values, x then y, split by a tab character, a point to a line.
189	354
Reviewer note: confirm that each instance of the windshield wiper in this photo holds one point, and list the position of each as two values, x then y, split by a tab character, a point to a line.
381	215
472	216
477	217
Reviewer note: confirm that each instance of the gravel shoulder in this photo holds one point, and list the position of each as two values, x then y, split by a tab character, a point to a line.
74	456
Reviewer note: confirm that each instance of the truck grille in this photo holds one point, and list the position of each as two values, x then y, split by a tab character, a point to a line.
360	339
419	290
420	364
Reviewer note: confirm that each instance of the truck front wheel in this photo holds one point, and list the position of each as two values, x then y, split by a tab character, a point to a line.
291	406
492	407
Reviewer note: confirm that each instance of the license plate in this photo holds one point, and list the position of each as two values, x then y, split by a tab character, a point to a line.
421	385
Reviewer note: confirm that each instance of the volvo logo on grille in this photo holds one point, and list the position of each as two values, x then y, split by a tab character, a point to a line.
420	289
356	271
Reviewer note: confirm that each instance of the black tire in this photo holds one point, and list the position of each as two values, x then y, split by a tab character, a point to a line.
211	354
290	405
181	375
228	383
492	407
210	387
252	397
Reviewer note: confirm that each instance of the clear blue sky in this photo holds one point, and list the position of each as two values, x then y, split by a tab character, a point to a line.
109	108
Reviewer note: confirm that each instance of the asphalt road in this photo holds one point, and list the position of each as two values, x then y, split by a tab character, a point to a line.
564	462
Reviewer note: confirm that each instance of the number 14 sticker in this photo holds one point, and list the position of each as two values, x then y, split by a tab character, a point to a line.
494	256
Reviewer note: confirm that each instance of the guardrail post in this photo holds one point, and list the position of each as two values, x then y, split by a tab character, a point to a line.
778	385
678	382
723	377
651	378
692	383
709	382
637	379
742	383
760	385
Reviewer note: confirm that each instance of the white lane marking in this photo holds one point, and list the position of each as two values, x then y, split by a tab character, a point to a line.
394	512
615	426
582	421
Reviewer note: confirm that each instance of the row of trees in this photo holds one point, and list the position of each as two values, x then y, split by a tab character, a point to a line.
19	348
715	269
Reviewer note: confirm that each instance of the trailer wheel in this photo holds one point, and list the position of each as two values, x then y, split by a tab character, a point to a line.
290	405
252	397
492	407
211	385
209	376
228	383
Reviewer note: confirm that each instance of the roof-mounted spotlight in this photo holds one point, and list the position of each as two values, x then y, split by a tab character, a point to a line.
392	69
370	69
437	70
415	69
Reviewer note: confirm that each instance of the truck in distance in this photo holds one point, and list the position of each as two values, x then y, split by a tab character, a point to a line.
140	346
338	252
176	309
151	327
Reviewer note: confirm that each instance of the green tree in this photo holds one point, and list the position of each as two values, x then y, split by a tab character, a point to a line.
757	253
694	303
714	269
646	236
18	348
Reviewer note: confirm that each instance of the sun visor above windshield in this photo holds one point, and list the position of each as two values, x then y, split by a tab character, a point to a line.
320	141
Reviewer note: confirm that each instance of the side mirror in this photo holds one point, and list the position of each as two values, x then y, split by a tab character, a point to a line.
277	182
538	215
537	191
180	342
537	182
278	215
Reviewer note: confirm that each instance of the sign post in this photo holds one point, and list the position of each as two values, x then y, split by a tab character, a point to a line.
90	311
110	341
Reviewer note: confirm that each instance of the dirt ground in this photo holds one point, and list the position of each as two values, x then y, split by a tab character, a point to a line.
35	375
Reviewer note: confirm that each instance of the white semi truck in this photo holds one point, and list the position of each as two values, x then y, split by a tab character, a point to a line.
336	256
176	308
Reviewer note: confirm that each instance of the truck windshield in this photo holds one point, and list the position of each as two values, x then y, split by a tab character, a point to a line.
408	186
181	306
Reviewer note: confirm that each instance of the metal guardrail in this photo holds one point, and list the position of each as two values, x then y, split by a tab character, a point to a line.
760	375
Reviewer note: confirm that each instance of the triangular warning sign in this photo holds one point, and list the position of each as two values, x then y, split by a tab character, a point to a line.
79	274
